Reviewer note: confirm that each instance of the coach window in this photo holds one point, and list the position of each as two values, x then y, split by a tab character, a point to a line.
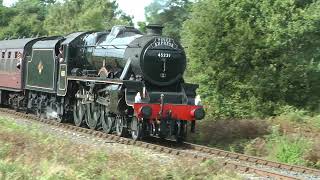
16	54
3	55
9	55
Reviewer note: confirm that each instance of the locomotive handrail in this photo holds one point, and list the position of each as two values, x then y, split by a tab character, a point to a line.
111	45
95	79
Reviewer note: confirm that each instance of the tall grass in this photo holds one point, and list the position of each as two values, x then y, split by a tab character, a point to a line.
28	153
292	114
287	149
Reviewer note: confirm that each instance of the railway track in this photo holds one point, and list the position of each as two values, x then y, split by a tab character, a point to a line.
295	172
234	161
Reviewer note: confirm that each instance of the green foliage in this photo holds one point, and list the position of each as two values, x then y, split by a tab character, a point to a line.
316	121
252	57
291	148
169	13
8	124
5	16
256	147
84	15
41	17
300	116
287	149
4	149
15	24
293	114
13	171
142	26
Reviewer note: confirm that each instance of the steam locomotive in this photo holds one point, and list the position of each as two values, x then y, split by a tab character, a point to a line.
119	81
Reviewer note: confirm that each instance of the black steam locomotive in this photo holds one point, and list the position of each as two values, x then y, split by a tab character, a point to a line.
119	81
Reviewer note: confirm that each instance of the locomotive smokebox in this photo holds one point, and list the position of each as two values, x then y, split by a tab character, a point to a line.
154	29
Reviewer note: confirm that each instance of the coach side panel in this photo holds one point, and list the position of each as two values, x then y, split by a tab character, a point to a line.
10	75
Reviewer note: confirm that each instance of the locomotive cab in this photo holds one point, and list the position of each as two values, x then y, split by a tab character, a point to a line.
42	66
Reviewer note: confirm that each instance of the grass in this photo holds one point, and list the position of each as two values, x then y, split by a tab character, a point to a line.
299	117
299	137
287	149
28	153
293	137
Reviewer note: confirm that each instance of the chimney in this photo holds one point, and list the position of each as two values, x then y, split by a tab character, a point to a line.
154	29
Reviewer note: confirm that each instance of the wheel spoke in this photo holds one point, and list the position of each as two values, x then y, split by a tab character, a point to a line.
93	115
121	126
107	121
78	113
136	129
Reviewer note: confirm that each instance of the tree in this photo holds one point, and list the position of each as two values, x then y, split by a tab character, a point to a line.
42	17
142	26
6	15
252	57
84	15
169	13
24	19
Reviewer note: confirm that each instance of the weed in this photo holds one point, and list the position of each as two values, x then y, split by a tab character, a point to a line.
287	149
315	121
313	156
12	171
4	150
300	116
256	147
8	124
293	114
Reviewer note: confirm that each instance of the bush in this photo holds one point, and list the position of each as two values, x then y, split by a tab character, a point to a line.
293	114
316	121
313	156
287	149
256	147
290	114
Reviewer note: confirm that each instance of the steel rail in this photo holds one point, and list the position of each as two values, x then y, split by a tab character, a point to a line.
253	159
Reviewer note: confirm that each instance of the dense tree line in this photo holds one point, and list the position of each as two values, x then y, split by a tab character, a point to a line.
252	58
28	18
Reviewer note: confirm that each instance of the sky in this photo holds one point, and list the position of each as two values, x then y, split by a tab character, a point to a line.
133	8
